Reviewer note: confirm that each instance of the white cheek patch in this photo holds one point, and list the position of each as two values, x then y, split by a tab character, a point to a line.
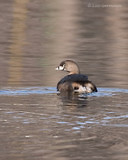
60	68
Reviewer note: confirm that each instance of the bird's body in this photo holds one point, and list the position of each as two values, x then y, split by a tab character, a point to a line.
74	81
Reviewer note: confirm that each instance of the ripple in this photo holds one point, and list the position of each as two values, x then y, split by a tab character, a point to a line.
28	91
116	117
105	92
47	90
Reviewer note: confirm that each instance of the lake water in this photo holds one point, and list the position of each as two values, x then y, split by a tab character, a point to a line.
36	122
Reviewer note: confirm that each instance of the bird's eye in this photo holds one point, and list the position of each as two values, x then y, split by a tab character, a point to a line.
63	65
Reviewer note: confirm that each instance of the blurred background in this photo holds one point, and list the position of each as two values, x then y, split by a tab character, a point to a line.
36	35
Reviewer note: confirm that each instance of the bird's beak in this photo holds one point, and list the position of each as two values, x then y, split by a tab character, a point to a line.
57	68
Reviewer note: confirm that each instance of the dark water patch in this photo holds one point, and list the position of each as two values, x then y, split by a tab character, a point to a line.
116	125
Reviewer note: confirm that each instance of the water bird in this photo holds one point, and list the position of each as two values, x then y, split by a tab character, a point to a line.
75	81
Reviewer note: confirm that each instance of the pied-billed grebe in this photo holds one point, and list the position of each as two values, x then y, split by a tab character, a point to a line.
74	81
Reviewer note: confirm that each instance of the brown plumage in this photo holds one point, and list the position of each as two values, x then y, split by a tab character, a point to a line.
74	81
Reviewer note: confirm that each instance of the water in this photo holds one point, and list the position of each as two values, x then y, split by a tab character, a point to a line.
36	122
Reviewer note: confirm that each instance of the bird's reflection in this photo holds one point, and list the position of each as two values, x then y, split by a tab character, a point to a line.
70	99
